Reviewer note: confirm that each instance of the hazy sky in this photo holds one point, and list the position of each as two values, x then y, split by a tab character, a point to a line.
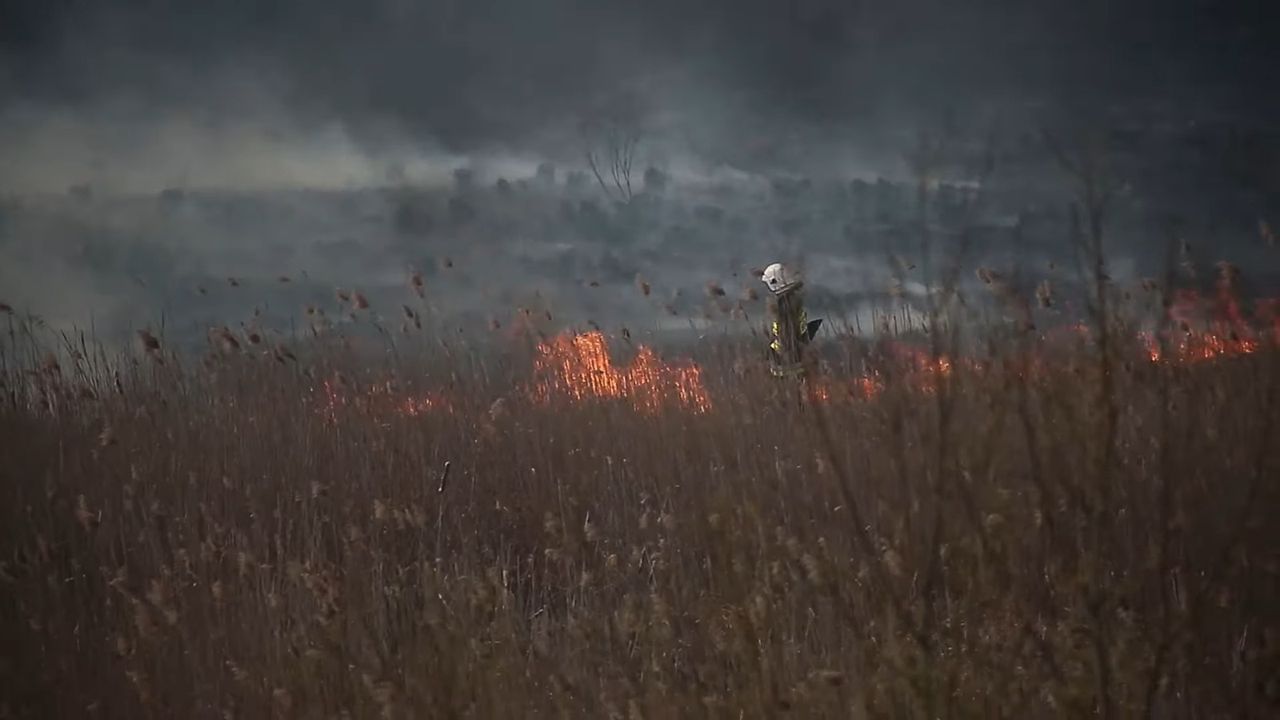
467	72
134	96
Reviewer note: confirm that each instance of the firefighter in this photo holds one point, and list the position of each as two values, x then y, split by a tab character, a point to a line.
790	329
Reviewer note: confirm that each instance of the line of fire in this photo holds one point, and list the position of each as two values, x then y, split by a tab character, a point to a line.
581	367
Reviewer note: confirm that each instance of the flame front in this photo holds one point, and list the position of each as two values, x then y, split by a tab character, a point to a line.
1208	330
1193	347
579	367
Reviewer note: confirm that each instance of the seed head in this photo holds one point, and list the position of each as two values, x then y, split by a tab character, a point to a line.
149	341
1044	294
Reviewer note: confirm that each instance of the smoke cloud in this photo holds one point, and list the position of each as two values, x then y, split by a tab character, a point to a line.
153	152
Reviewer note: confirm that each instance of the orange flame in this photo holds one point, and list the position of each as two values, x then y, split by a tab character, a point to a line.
1208	331
826	389
579	367
1192	347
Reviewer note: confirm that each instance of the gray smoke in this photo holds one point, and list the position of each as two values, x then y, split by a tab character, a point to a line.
152	153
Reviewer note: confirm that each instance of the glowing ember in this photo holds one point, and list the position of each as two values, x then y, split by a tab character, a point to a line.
825	389
415	406
579	367
1208	330
1191	347
923	371
869	386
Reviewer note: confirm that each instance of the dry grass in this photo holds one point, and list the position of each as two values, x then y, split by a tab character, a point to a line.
204	543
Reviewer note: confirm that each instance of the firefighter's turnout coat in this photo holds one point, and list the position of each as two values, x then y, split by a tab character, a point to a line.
790	332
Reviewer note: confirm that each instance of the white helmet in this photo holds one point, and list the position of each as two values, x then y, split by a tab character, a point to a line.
779	278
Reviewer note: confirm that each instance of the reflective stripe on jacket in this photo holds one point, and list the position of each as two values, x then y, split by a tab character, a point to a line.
801	323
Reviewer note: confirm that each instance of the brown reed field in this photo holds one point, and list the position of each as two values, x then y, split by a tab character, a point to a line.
289	531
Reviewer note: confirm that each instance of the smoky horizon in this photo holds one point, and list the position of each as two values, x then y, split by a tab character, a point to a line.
174	161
